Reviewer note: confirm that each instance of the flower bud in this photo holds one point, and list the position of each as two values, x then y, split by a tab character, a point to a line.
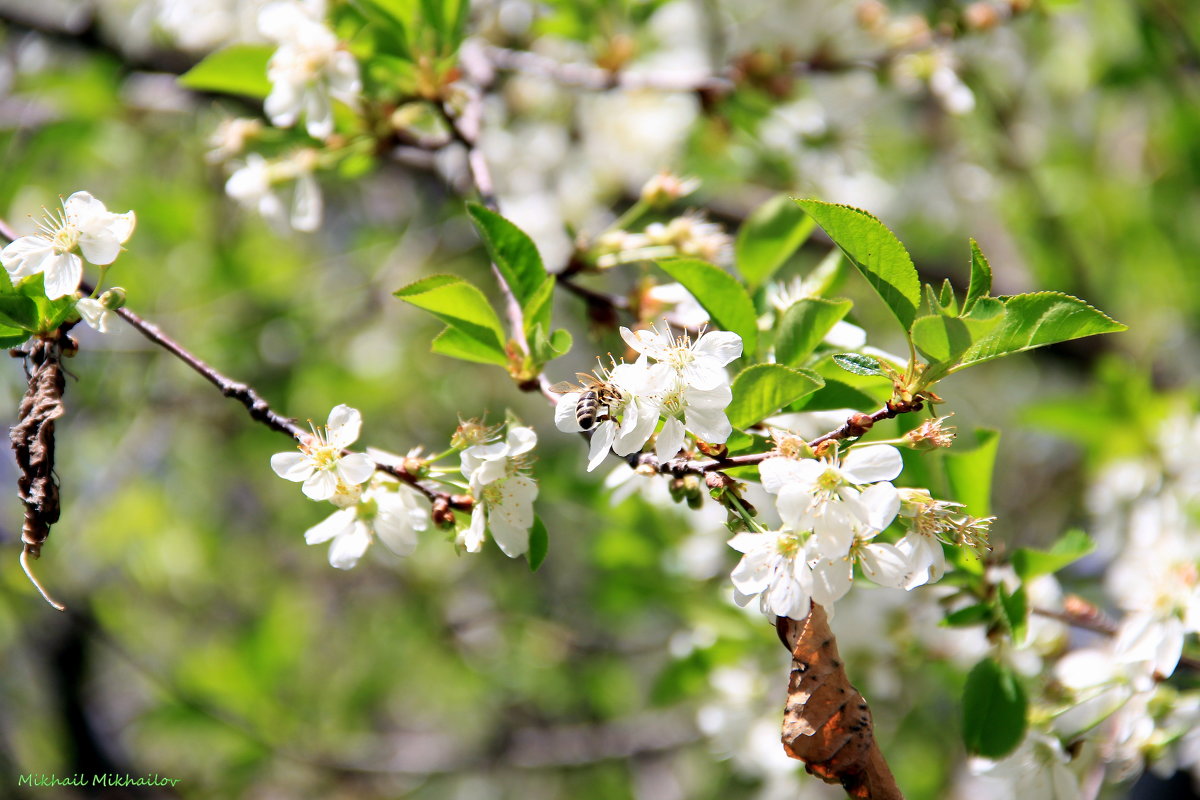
113	299
665	188
441	513
981	16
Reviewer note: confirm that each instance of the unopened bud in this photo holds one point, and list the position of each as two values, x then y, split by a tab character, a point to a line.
113	299
441	513
871	14
665	188
712	450
829	447
718	481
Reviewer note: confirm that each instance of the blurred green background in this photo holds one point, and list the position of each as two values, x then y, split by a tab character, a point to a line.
205	642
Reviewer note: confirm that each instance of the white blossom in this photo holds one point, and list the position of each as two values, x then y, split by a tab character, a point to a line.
827	496
701	365
387	510
700	411
84	224
252	186
320	465
503	494
774	568
309	69
628	420
94	313
1037	770
885	564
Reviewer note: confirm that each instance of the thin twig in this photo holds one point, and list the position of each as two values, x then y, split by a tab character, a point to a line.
1092	619
589	76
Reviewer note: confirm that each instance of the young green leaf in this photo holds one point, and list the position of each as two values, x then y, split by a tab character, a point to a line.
981	278
517	258
539	544
1036	320
943	339
720	294
1015	608
768	237
994	710
804	325
460	305
875	251
19	311
12	337
1029	562
455	343
947	300
969	472
763	389
237	69
858	363
967	617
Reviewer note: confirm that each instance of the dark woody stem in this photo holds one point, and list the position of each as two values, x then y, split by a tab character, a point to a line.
258	408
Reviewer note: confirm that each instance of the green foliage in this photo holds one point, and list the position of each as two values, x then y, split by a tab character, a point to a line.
875	251
763	389
1030	562
517	258
994	710
981	278
859	363
804	325
770	235
539	544
238	69
465	309
720	294
969	472
1014	609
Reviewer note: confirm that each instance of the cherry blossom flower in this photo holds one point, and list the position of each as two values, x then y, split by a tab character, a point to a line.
932	522
629	419
826	496
503	494
774	568
252	186
1037	770
386	510
885	564
701	365
309	69
84	224
700	411
320	464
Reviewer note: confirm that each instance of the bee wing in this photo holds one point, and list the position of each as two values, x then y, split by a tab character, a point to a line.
564	387
588	379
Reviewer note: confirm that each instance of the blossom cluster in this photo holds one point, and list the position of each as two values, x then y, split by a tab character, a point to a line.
681	382
372	504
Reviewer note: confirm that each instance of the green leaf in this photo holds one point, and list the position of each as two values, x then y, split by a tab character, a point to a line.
858	363
517	258
768	237
237	69
977	614
994	710
981	278
946	299
875	251
457	344
969	472
720	294
539	544
943	339
1036	320
763	389
460	305
19	311
1015	608
804	325
545	349
1029	562
833	395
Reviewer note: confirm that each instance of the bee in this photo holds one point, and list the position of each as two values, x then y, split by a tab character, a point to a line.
594	393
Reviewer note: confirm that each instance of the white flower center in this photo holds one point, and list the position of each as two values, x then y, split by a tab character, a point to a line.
58	229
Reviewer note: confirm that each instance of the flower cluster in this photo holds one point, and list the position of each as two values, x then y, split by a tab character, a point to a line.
832	509
681	382
369	504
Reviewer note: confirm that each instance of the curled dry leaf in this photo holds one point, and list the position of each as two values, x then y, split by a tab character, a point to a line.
827	723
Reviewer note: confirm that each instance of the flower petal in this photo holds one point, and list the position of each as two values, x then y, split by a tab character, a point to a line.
336	524
602	440
355	468
670	440
344	425
564	413
877	462
62	272
722	346
292	466
321	485
26	256
348	548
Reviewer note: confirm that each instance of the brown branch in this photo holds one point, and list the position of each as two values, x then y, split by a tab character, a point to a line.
854	427
827	723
